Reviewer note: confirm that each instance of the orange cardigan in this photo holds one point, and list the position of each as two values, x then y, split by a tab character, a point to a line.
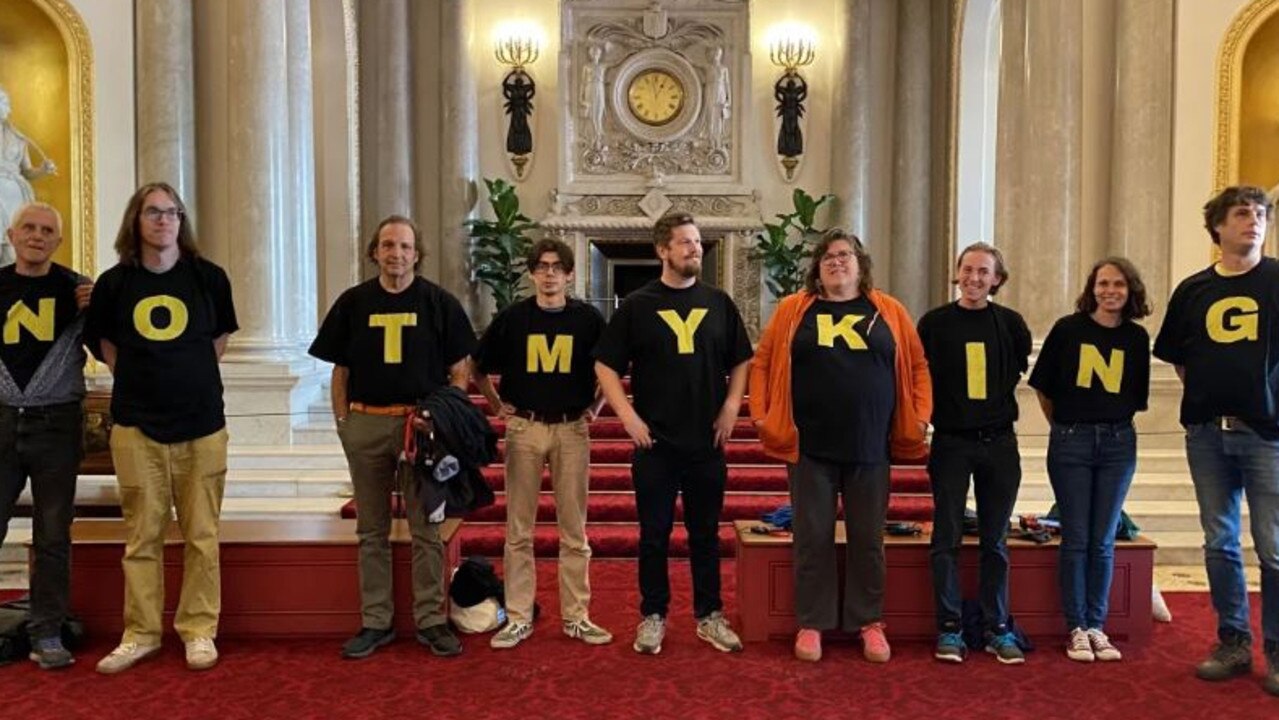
770	380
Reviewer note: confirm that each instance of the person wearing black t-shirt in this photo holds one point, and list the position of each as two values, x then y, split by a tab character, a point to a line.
1221	334
1092	376
41	386
977	351
160	320
839	384
393	340
541	347
679	339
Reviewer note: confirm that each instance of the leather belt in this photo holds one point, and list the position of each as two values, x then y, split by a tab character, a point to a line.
548	418
1230	423
388	410
979	434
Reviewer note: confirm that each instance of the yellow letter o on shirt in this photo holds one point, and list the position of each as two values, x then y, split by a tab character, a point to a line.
178	318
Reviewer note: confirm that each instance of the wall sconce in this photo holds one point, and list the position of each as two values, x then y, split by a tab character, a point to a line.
516	45
791	46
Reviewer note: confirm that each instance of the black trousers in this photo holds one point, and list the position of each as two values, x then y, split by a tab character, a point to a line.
660	475
993	462
815	488
44	444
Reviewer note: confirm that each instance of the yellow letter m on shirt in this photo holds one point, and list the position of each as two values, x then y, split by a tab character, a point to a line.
546	357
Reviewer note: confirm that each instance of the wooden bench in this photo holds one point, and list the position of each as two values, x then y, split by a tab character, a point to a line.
766	586
280	578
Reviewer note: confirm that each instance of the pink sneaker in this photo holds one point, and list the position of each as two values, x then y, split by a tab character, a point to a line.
875	644
808	645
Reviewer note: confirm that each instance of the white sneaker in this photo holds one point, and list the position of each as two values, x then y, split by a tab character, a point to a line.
1079	648
512	634
125	656
202	654
1101	646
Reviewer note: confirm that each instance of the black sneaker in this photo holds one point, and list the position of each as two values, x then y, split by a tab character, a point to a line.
366	642
1230	658
50	654
1271	682
440	639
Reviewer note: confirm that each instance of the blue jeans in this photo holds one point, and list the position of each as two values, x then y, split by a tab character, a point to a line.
1090	466
1225	465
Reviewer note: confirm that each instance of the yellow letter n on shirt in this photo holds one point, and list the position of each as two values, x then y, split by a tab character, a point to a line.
40	324
552	357
684	329
1092	364
393	339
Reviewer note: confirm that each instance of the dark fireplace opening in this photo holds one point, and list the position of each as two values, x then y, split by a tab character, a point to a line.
618	268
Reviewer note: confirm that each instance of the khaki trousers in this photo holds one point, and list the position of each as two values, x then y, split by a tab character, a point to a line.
566	448
154	477
373	444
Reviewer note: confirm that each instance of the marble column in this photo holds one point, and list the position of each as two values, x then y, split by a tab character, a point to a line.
459	162
910	268
164	55
850	172
256	182
386	103
1141	170
1039	153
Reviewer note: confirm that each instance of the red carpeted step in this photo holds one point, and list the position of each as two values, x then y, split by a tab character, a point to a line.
482	403
741	478
610	428
617	452
607	541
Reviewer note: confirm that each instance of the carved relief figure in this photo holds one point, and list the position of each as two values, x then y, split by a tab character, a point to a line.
720	93
16	172
593	95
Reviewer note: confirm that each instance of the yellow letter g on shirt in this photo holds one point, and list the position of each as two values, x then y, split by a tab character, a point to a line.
1232	319
144	318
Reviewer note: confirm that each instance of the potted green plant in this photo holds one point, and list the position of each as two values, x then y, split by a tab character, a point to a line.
499	247
783	246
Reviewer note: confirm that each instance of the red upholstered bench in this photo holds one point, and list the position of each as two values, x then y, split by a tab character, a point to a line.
766	586
280	578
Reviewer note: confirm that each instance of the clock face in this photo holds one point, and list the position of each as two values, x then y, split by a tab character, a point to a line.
655	97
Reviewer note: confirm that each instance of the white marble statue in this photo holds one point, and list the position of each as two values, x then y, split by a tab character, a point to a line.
593	95
16	172
719	92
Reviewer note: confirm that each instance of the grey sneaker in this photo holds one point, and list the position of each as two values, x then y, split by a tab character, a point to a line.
950	647
512	634
588	632
649	635
50	654
1005	649
1229	658
1271	682
714	629
125	656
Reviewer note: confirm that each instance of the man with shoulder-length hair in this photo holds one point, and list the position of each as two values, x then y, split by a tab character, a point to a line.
160	319
541	348
977	351
680	339
393	340
1220	334
41	386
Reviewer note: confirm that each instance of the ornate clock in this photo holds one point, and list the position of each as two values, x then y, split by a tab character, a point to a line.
655	97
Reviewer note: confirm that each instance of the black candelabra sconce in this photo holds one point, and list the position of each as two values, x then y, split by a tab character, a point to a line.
517	46
792	47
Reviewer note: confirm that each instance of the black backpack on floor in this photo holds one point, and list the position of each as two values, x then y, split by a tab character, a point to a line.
14	642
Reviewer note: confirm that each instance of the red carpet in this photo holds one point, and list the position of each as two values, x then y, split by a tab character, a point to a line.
551	676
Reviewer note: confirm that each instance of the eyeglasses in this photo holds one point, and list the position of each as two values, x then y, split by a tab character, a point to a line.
842	257
154	214
553	268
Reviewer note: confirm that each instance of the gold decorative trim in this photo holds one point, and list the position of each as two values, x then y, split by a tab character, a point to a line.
1230	90
83	170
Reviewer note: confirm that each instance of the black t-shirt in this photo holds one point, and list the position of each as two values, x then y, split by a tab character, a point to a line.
398	346
36	310
167	382
975	358
1093	373
1222	331
543	356
679	345
842	382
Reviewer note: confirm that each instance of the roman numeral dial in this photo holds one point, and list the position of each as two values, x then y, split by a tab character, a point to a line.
655	97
